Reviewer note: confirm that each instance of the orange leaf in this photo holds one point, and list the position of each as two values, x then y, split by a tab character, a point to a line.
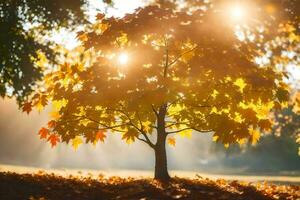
100	16
82	36
100	136
172	141
53	139
43	133
51	124
27	107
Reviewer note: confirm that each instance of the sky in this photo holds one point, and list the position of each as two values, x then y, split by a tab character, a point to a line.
119	9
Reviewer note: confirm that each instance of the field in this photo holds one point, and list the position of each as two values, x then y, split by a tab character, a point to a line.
30	183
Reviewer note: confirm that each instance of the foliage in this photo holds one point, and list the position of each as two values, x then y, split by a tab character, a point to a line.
288	122
22	23
263	157
186	72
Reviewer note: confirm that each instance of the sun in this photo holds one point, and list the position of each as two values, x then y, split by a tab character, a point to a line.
238	12
123	58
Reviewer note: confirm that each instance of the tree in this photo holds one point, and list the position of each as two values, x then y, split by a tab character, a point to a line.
19	46
288	122
262	156
160	72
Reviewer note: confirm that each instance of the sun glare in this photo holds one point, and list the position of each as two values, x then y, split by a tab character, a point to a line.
123	58
237	12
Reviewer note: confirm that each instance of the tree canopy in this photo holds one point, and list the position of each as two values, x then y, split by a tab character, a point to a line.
190	67
20	45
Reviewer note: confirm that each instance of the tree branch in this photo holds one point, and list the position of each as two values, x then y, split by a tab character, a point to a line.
154	110
176	59
136	127
106	127
147	140
144	133
188	128
177	131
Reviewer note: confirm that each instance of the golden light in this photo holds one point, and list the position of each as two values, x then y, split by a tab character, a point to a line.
123	58
238	12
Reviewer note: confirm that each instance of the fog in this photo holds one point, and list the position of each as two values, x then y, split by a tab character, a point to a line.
20	145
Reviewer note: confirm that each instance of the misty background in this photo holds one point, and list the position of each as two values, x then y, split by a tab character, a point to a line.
20	145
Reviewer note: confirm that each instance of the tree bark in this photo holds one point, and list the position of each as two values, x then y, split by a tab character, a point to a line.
161	167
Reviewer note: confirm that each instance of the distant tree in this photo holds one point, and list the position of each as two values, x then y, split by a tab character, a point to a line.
275	152
159	72
20	46
287	122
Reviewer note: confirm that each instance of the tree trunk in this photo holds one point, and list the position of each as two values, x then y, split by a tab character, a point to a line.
161	167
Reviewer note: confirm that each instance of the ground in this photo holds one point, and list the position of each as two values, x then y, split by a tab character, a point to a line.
46	185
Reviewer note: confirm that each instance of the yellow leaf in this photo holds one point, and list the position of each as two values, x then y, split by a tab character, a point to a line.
175	109
58	104
41	60
84	122
186	133
41	102
122	40
39	106
147	126
101	27
76	142
226	145
215	94
254	136
215	138
240	83
242	141
238	118
171	141
298	138
214	110
54	115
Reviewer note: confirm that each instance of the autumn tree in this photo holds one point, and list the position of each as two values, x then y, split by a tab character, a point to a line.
158	72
